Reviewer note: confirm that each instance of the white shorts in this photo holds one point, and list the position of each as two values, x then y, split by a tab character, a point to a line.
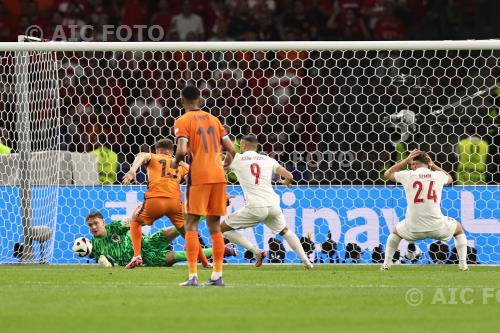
444	233
247	217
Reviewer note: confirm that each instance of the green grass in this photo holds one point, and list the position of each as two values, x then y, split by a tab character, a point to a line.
330	298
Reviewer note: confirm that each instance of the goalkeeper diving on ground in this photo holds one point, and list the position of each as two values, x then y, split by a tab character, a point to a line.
112	245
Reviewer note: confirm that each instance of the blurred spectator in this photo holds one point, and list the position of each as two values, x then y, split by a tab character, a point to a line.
162	16
97	10
348	25
388	25
107	160
373	10
221	33
72	15
5	25
144	103
242	22
4	142
472	155
267	27
298	20
262	5
134	12
188	22
218	13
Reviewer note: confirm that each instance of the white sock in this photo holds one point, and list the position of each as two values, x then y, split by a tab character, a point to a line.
215	275
235	237
391	248
192	275
294	242
461	245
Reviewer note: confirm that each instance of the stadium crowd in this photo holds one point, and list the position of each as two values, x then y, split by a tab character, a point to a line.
250	20
302	104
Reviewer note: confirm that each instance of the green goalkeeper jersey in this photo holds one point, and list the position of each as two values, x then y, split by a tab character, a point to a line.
117	246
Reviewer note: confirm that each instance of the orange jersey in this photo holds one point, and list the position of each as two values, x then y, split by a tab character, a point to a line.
204	133
162	180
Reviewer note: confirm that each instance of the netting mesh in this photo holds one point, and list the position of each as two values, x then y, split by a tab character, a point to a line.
336	119
30	171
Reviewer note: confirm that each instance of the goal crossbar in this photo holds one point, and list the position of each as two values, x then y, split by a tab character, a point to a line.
253	46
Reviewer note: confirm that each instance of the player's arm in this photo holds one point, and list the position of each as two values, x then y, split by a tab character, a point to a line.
287	175
228	145
389	174
131	175
180	153
434	167
171	233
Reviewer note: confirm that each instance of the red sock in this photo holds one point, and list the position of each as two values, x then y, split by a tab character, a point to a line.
192	248
136	236
217	251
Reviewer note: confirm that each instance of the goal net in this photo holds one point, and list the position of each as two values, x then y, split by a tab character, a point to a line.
336	115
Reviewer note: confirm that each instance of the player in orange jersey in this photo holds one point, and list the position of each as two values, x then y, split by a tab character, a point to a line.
162	198
201	136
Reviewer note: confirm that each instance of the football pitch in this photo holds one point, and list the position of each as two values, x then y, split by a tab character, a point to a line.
330	298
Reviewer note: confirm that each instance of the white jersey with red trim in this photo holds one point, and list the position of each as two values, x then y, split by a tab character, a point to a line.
255	173
423	189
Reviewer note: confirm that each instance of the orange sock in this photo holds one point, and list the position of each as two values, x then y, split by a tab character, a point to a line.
202	257
192	248
217	251
136	236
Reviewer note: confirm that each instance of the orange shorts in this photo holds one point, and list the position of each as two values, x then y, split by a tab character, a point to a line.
153	209
206	199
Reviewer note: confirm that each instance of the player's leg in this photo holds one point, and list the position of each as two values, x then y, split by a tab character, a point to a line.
241	219
176	216
461	245
216	208
173	257
195	205
452	228
390	248
171	233
138	219
400	232
218	249
275	220
192	246
151	210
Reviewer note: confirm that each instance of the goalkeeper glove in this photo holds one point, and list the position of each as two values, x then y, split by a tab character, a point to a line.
104	262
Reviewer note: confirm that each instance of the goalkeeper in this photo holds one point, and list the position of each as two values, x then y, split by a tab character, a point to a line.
112	245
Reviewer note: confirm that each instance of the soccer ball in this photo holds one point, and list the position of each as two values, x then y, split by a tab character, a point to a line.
82	247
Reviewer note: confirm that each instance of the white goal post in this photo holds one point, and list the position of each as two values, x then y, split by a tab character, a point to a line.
336	114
